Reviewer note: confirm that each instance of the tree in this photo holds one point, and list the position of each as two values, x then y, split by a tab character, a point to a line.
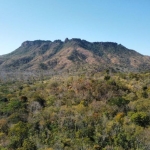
119	101
17	134
23	98
28	145
141	119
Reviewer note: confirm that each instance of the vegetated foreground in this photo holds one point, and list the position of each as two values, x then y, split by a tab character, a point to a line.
102	111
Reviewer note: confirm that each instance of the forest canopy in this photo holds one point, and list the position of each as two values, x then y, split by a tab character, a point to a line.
88	112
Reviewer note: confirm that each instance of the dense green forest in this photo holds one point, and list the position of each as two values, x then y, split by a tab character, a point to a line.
101	111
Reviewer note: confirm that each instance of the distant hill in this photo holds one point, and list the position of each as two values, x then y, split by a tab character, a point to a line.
73	54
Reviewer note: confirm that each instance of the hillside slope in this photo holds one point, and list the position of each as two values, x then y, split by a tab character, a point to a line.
73	54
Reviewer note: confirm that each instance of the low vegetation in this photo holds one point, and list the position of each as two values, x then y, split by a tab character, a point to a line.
98	111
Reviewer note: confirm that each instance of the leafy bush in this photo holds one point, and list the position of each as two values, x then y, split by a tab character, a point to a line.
17	134
107	77
12	106
28	145
39	99
119	101
43	66
141	119
24	98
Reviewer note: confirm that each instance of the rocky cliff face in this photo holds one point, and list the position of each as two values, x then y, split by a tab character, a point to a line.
73	54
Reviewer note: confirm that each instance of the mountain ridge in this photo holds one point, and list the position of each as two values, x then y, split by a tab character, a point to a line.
73	54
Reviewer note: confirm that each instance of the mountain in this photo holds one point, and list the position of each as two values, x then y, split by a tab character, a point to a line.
73	54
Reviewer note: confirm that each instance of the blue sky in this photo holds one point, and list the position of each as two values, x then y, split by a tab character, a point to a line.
126	22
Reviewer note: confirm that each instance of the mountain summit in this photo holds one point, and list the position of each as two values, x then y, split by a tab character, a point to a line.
73	54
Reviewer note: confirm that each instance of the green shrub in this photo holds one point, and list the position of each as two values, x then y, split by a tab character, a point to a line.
107	77
141	119
17	134
119	101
